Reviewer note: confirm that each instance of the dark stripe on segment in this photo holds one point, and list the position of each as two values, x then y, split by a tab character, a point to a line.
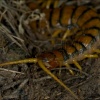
92	18
84	48
87	34
37	24
74	11
83	13
51	5
64	53
61	13
65	15
79	48
40	4
55	17
50	18
72	45
92	41
90	35
86	29
94	27
76	51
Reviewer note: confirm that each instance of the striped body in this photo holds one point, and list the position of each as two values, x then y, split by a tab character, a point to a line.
84	25
73	18
86	37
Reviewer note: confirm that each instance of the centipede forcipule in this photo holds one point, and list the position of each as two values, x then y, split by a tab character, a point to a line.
84	44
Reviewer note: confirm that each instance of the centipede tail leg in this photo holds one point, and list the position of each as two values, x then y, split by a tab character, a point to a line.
53	76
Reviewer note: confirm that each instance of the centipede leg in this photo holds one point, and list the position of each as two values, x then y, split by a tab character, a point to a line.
53	76
48	3
55	34
91	56
44	5
69	68
77	65
66	34
96	50
56	3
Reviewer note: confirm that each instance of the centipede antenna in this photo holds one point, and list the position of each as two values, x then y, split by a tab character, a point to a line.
53	76
77	65
69	68
30	60
91	56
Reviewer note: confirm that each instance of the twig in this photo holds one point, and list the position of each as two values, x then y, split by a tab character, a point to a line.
20	86
3	69
2	14
41	79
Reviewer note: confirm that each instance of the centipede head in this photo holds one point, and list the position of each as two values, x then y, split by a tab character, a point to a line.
49	60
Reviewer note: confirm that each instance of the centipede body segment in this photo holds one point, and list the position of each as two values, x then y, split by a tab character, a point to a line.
82	23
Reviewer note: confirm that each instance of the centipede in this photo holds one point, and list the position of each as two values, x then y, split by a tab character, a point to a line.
85	34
